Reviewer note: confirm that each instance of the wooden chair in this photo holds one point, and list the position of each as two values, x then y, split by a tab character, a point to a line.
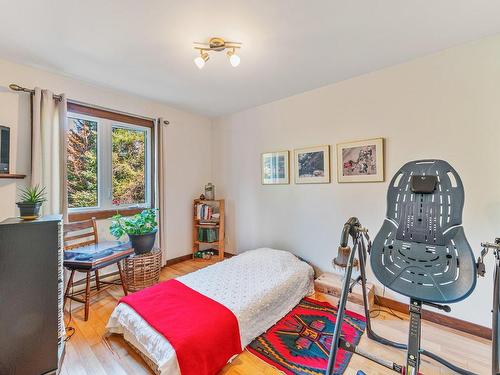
79	234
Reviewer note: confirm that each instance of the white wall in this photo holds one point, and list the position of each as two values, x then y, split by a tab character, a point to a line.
443	106
188	152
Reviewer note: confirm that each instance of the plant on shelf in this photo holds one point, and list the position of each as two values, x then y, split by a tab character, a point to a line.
204	254
31	199
140	228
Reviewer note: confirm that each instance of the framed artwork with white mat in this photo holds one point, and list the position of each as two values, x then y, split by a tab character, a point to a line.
312	165
361	161
275	168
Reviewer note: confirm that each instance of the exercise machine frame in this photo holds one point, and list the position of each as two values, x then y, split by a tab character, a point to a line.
481	271
361	249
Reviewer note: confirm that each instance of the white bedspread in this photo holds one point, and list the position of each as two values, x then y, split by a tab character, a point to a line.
259	287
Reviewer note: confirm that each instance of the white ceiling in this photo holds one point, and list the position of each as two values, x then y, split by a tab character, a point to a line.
289	46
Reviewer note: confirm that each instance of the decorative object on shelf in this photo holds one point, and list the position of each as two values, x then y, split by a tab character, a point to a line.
141	229
208	228
216	45
202	197
204	254
210	191
361	161
142	271
312	165
31	199
4	149
275	167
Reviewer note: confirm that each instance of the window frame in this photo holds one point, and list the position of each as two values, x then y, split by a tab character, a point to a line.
106	122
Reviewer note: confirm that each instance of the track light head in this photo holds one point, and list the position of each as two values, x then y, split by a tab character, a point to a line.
234	59
201	60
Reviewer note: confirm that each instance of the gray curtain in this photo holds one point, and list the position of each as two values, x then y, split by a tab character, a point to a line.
48	155
160	191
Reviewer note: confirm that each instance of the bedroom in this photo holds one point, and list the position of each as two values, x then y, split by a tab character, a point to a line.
299	118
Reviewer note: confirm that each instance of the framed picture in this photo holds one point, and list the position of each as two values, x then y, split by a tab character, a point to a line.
312	165
275	168
361	161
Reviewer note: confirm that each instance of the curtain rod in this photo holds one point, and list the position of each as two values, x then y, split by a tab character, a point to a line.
15	87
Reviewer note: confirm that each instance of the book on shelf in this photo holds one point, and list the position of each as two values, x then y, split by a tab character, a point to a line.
208	235
206	212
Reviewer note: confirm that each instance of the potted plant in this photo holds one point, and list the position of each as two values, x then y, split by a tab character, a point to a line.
141	229
31	199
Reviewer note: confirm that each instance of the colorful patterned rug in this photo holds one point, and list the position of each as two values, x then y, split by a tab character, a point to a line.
299	344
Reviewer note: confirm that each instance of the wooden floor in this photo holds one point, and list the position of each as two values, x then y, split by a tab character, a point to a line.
88	352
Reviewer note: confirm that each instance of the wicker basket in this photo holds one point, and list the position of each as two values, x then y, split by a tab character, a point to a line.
142	270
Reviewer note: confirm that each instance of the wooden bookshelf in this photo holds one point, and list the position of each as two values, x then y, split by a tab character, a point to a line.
215	224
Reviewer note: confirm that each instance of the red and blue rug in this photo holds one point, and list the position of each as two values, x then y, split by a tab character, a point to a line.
299	344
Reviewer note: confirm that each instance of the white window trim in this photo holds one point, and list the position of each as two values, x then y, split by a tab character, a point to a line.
104	167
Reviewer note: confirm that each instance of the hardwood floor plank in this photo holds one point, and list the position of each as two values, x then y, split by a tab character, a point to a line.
90	352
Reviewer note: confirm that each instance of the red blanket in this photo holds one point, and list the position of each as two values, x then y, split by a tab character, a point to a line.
204	333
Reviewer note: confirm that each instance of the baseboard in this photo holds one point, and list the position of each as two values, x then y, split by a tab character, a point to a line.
441	319
178	259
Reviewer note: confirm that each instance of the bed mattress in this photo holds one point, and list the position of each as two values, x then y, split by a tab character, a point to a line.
259	287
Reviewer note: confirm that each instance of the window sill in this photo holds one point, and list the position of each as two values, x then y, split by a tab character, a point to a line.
102	214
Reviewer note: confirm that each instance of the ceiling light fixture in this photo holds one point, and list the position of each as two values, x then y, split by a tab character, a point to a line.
217	45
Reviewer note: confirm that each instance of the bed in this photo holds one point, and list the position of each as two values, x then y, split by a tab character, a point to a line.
258	286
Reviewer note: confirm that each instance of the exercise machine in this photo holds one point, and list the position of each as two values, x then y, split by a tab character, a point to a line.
481	270
420	252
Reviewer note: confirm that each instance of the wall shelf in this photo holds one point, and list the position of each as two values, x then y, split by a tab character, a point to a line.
12	176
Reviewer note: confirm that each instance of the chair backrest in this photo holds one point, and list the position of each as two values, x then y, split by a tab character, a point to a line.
81	233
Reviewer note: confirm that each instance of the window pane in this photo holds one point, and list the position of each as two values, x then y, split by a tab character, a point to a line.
129	166
82	163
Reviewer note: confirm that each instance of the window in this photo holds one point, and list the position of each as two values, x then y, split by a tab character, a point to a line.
82	163
129	165
109	164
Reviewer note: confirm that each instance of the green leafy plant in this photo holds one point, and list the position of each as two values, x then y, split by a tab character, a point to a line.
32	194
139	224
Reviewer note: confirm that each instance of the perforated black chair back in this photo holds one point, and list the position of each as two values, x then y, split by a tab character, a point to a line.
421	250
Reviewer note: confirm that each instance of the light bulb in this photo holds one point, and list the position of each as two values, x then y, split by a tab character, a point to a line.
200	60
200	63
234	59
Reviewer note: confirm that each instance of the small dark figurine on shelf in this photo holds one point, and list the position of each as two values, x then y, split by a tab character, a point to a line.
31	199
202	197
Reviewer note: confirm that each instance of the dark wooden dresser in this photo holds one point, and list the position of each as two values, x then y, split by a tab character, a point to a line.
31	289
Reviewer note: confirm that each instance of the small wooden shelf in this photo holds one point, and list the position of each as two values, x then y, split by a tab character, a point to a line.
218	206
12	176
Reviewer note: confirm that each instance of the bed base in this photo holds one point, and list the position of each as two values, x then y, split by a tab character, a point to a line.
153	367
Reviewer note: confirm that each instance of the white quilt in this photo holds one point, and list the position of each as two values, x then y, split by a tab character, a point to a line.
259	287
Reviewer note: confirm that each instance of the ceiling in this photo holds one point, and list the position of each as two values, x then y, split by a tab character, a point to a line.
289	46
